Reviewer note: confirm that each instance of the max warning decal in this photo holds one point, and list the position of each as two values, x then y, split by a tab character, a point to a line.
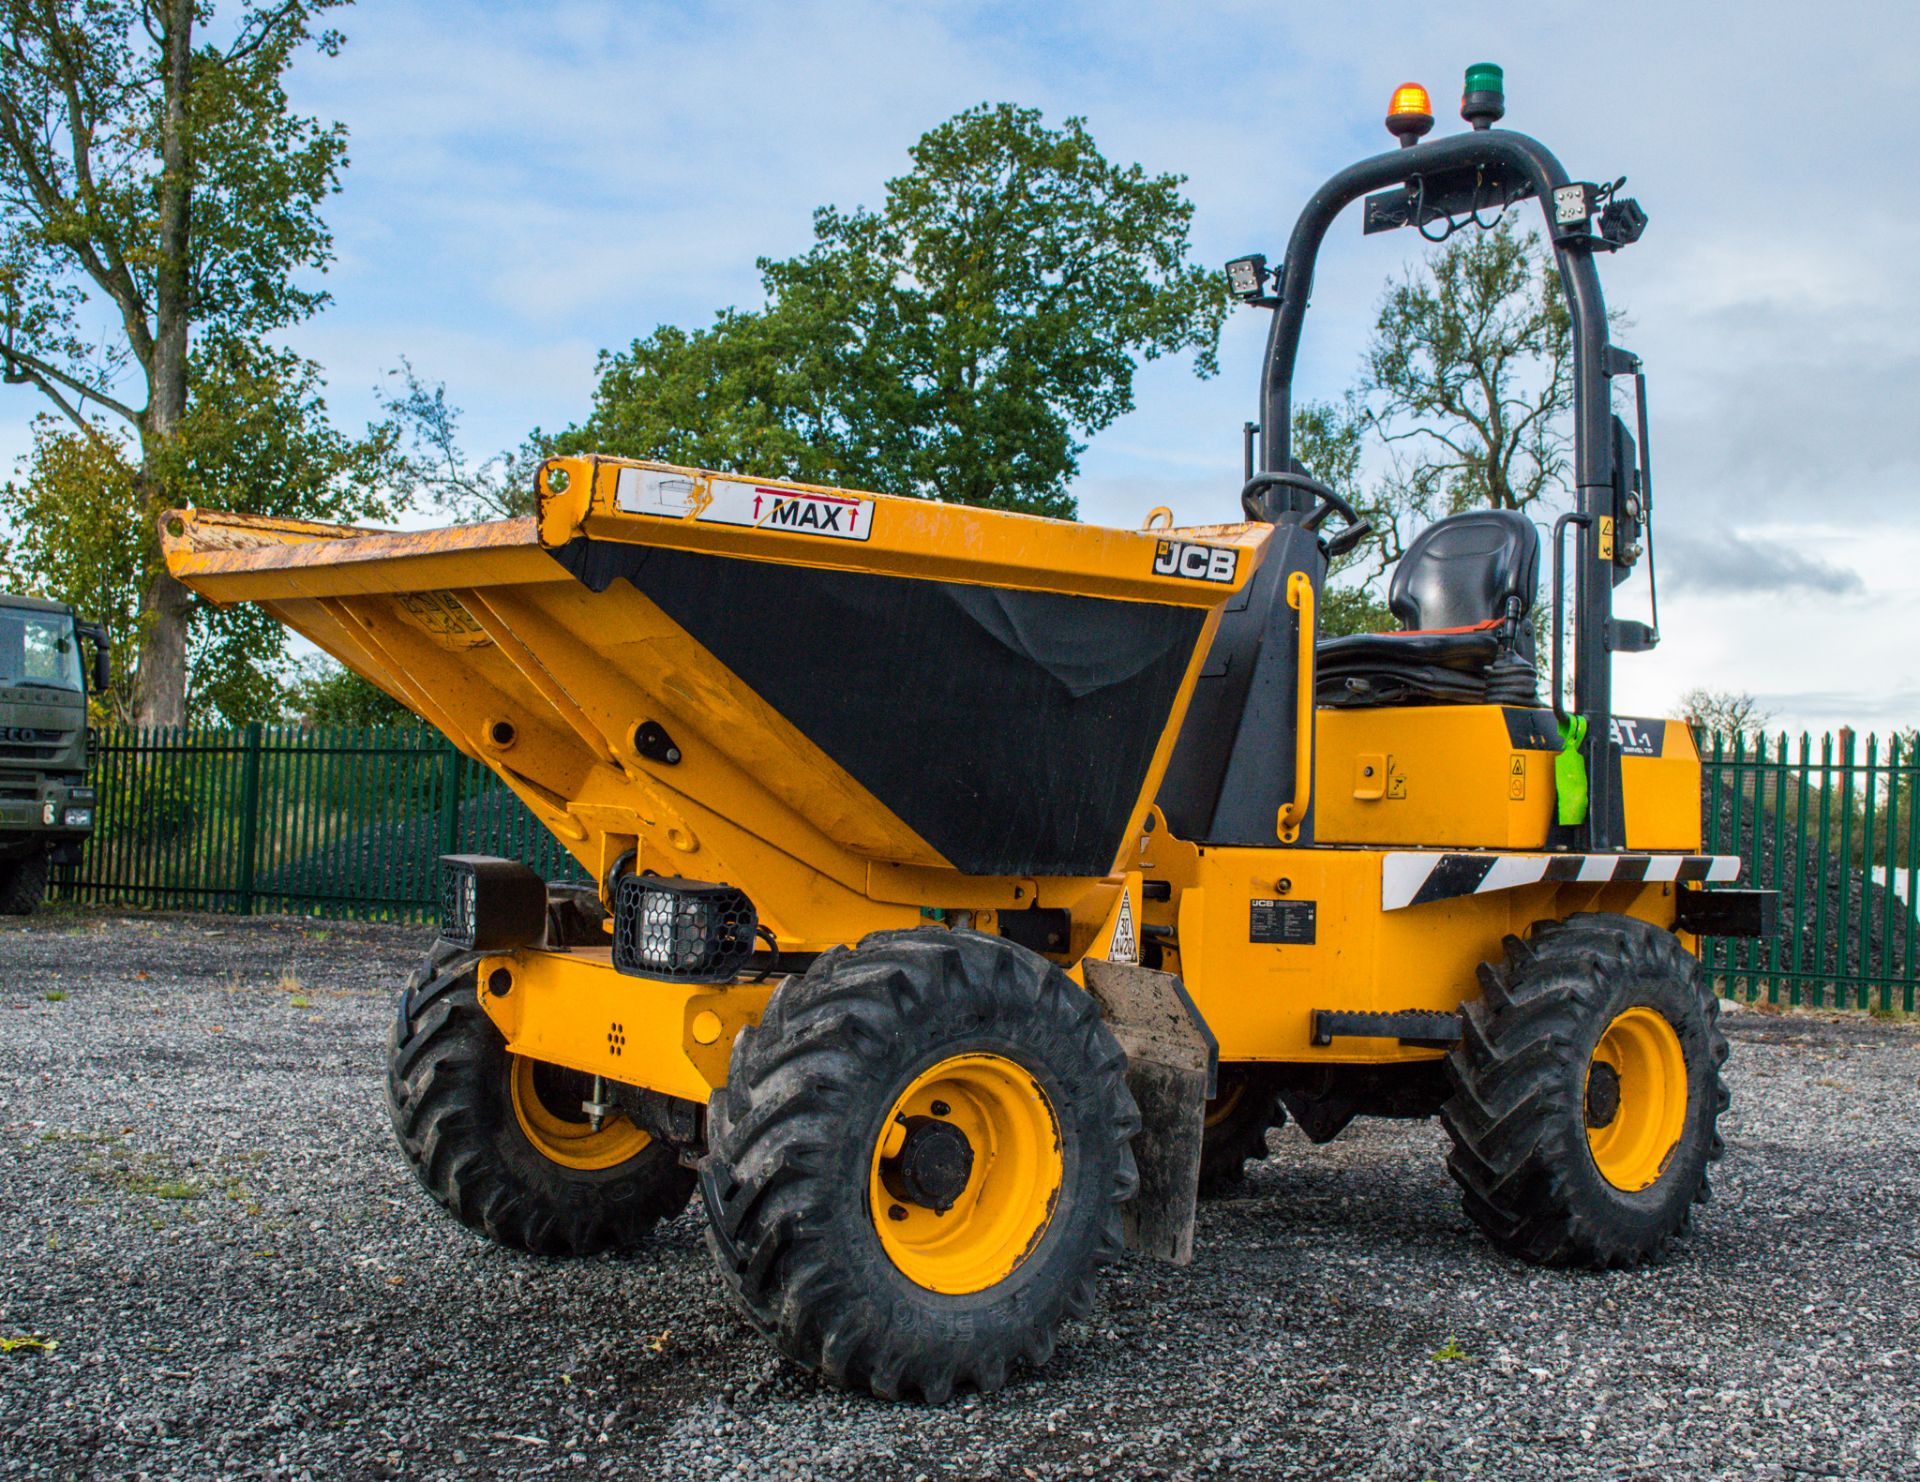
1195	562
676	496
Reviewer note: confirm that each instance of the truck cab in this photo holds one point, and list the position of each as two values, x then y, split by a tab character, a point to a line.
46	804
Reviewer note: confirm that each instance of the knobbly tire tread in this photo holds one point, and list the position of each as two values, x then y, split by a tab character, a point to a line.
1516	1116
1227	1147
23	884
449	1099
790	1143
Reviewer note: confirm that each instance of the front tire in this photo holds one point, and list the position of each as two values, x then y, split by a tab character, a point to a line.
917	1164
1587	1093
499	1141
23	882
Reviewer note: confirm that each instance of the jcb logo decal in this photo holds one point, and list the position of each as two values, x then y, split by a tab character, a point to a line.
1195	562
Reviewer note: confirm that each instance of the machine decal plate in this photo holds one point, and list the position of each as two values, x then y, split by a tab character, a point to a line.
1281	923
675	496
1637	737
1190	562
1534	730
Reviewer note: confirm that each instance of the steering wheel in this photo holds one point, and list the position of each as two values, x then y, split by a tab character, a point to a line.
1356	527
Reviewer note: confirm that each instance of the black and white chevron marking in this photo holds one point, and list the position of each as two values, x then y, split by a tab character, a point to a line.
1410	879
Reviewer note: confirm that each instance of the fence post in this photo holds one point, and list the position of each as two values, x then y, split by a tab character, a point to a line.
450	800
249	816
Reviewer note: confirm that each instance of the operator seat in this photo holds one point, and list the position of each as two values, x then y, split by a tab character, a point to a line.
1463	590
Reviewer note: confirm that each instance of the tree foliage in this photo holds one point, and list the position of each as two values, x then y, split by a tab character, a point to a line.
77	538
960	342
1726	713
156	186
256	438
1468	382
430	465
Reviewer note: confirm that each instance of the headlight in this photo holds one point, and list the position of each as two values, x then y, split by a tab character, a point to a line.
79	818
490	905
684	930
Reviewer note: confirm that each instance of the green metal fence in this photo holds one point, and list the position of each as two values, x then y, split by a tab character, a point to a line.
349	822
323	821
1830	825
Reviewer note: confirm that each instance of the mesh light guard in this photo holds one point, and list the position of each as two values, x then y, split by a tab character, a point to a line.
490	905
681	931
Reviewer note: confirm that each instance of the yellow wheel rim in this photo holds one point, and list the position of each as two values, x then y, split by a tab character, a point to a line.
1221	1107
1636	1099
546	1103
1010	1187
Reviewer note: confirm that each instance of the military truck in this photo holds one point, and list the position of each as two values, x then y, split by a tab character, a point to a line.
46	806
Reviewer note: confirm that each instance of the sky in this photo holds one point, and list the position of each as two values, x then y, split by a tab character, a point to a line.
532	183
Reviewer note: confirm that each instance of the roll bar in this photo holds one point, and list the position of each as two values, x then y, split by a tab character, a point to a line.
1523	167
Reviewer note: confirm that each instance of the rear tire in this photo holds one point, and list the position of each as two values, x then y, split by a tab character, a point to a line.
1245	1107
494	1140
860	1274
1587	1093
23	884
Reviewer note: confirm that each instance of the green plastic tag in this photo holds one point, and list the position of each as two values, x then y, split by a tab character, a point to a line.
1570	771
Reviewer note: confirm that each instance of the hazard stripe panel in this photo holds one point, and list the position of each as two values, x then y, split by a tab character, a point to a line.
1412	879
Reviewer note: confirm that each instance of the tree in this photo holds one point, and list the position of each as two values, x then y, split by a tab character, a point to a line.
324	693
1468	381
154	186
256	439
1727	713
78	539
432	466
959	343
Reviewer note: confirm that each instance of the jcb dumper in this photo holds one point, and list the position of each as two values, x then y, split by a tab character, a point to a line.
973	887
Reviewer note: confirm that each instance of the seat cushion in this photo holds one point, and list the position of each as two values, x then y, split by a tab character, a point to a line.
1457	666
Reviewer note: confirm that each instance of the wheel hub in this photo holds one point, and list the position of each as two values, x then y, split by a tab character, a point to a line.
966	1170
1603	1095
933	1166
1636	1098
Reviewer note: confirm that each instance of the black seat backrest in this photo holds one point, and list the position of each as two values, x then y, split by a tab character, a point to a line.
1460	571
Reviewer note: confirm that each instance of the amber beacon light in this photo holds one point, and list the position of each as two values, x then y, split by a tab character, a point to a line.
1410	115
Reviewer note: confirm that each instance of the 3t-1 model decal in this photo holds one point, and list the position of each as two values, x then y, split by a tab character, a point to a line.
678	496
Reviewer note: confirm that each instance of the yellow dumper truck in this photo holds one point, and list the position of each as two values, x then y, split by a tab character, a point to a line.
972	884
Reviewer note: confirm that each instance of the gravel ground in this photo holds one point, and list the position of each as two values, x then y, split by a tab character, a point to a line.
205	1213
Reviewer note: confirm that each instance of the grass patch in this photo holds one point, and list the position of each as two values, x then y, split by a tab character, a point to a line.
143	1174
289	980
1451	1352
299	1002
55	995
27	1343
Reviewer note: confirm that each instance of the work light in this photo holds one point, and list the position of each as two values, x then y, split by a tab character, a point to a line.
1247	276
490	905
686	931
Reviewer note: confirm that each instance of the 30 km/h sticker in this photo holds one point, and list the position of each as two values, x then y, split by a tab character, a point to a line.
676	496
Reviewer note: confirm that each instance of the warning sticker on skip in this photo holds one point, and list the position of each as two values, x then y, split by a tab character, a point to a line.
679	496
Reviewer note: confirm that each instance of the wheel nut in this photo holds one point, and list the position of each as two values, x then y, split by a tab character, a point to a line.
895	1212
940	1109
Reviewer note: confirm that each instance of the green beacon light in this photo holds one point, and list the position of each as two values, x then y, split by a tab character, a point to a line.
1484	102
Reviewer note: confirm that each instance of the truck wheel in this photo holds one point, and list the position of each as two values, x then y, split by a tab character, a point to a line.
22	883
918	1162
1587	1093
1237	1121
499	1140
